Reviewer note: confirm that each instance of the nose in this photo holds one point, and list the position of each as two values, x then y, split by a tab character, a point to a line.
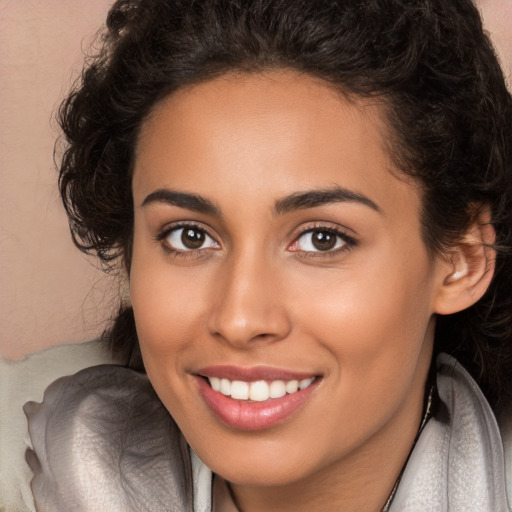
249	305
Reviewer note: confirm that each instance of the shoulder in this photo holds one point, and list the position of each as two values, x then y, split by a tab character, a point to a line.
102	440
24	380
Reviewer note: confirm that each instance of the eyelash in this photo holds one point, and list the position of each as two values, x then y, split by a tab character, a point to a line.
347	241
179	253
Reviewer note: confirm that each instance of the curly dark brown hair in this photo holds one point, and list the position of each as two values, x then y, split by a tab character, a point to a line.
428	61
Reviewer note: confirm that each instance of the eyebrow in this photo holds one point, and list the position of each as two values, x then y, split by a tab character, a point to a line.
314	198
296	201
183	200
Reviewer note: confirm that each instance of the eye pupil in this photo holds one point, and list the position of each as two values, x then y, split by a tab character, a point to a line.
192	238
323	240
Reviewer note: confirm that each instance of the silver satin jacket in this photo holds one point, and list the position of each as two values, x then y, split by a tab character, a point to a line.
103	441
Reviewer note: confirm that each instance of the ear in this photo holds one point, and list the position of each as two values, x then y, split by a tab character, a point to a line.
469	267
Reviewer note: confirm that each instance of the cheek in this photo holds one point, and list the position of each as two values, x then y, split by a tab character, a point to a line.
376	332
166	303
374	318
168	315
167	310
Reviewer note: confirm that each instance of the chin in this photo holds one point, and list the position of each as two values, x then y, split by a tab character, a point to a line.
260	462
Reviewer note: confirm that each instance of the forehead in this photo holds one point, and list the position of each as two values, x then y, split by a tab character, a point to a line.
246	131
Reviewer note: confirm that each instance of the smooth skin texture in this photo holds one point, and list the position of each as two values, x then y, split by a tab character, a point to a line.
249	287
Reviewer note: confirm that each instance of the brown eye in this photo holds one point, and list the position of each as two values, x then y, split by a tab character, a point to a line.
189	238
192	238
323	240
320	240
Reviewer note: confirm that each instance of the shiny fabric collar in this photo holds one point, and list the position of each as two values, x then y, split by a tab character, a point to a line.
457	463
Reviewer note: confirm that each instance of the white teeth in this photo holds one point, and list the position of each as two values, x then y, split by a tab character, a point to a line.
239	390
292	386
215	383
303	384
258	391
277	389
225	387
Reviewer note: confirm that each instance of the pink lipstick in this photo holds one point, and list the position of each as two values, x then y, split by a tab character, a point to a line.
254	398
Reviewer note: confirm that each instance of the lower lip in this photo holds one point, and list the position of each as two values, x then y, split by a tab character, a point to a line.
246	415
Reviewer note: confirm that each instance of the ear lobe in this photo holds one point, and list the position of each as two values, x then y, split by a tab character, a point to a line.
470	268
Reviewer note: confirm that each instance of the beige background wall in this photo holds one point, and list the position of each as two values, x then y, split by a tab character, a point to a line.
45	284
49	293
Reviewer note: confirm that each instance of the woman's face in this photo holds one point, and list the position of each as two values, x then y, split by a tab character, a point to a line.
274	246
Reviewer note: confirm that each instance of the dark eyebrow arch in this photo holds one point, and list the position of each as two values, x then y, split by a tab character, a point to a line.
314	198
183	200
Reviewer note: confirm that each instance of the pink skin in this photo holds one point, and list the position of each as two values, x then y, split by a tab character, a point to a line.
257	294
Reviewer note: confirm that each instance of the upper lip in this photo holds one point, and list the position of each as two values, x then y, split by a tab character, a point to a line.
253	373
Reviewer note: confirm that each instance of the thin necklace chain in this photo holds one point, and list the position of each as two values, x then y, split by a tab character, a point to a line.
426	417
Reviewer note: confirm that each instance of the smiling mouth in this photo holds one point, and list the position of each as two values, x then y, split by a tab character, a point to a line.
260	401
260	390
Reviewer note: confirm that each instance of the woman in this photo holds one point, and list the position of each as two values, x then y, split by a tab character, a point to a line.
312	204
